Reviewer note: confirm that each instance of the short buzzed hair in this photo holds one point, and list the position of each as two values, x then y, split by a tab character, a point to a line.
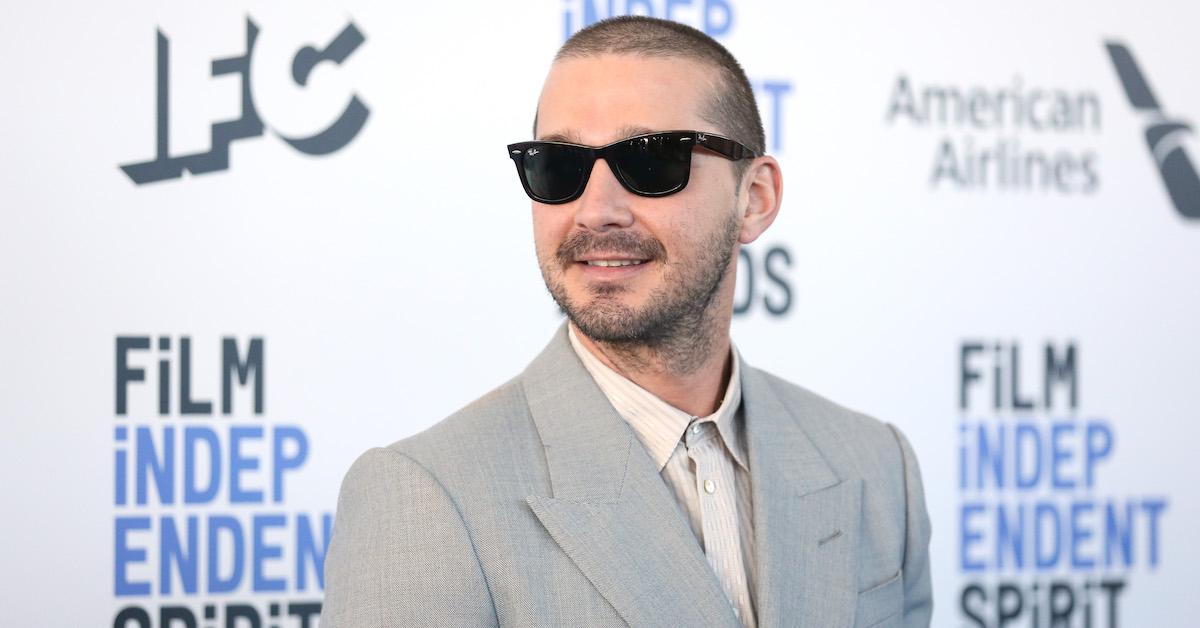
732	107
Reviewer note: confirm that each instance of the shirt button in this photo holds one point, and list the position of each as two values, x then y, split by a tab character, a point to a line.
710	487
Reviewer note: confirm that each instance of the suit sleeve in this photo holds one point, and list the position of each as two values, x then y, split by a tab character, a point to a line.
918	590
400	553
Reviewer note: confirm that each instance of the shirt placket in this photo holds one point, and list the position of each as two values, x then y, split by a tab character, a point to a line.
718	514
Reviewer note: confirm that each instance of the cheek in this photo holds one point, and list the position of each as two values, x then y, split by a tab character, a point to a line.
684	229
549	229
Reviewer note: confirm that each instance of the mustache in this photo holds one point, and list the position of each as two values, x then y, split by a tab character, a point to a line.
621	242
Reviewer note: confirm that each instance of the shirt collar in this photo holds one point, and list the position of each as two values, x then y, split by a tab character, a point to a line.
658	424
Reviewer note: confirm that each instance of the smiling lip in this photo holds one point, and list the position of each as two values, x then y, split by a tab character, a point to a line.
603	259
610	267
613	263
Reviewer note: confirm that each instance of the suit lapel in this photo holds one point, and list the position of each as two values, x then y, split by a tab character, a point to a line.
806	518
610	511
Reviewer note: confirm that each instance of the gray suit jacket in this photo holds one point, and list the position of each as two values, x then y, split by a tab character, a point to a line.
537	506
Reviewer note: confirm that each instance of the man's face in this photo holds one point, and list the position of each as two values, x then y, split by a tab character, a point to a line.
674	251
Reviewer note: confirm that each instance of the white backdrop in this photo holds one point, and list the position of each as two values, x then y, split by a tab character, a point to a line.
393	280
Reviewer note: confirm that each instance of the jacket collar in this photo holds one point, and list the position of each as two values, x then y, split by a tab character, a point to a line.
612	514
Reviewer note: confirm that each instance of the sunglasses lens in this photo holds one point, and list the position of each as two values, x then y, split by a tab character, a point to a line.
654	164
553	172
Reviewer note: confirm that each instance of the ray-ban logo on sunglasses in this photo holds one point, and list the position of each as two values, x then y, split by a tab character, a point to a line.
344	128
1164	134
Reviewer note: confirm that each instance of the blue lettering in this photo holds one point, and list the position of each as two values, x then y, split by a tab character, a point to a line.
1060	454
991	453
776	90
149	463
120	479
1153	508
1080	534
962	456
1119	533
308	548
170	552
239	463
1099	446
217	523
970	536
1027	435
123	556
718	18
192	437
284	462
669	9
263	551
590	16
1045	511
1010	535
639	7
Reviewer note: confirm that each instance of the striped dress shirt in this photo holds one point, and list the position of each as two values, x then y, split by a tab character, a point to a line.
703	462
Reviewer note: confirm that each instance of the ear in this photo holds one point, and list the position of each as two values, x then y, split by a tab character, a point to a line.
762	192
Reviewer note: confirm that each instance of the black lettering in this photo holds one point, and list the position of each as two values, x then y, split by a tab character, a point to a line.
164	375
903	102
975	614
966	374
1091	177
1061	370
231	364
1060	613
1006	612
133	613
1018	402
305	611
773	277
741	307
945	166
125	374
1113	588
234	612
186	404
169	615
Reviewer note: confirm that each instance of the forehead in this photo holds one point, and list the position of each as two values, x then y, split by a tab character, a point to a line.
600	99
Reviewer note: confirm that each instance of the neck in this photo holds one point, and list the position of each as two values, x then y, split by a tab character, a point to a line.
689	370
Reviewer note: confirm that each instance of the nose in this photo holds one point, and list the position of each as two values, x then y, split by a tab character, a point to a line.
604	204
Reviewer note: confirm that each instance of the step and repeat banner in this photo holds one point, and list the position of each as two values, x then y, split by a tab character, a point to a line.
242	242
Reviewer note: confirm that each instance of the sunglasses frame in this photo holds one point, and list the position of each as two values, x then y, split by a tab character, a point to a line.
723	146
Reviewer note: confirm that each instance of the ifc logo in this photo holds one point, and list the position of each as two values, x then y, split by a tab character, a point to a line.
165	166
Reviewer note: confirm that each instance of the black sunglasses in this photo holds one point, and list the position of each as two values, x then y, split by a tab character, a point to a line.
654	164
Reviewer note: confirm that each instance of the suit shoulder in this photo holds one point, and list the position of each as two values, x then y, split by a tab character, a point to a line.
848	437
493	435
823	414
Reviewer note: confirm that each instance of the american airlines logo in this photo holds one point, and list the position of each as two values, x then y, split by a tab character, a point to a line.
1164	134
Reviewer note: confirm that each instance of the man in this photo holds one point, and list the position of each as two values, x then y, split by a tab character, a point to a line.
638	472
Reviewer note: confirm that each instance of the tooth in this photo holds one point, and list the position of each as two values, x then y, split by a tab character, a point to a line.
607	263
